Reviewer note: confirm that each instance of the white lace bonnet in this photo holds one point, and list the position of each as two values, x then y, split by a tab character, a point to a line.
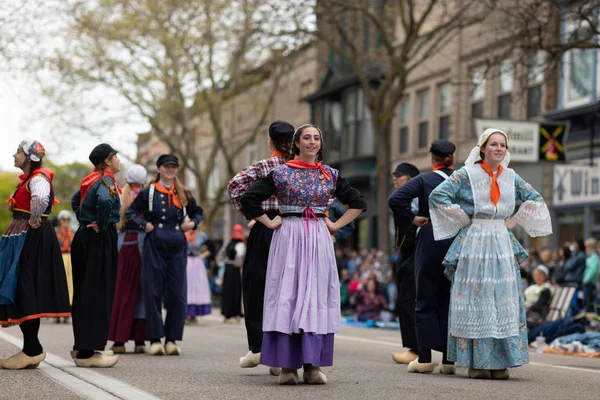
474	154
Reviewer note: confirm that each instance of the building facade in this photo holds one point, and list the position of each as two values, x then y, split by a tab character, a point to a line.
455	94
576	184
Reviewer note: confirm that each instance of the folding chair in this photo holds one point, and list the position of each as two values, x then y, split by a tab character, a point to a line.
560	304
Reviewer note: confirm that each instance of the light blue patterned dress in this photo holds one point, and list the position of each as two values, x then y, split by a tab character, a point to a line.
487	326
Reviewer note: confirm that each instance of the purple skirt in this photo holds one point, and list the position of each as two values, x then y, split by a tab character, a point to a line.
295	350
196	310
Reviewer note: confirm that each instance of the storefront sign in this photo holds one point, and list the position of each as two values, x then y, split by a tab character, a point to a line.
523	137
575	184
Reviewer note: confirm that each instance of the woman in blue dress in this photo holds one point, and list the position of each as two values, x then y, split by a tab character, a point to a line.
487	329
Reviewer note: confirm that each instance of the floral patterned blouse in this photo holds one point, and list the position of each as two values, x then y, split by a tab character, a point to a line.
298	189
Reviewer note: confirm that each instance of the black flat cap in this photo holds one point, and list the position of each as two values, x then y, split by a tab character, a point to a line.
101	153
167	159
442	148
281	131
406	169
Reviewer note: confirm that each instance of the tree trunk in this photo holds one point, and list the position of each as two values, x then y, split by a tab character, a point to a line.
382	153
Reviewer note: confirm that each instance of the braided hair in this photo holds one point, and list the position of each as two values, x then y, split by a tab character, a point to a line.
102	167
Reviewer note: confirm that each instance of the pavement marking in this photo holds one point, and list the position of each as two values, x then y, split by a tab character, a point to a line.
595	371
392	338
364	340
84	381
386	343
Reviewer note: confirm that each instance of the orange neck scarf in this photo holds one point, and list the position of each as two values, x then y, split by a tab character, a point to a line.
495	190
170	194
94	177
276	153
441	166
191	235
297	163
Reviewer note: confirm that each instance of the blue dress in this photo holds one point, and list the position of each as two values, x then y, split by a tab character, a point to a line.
487	326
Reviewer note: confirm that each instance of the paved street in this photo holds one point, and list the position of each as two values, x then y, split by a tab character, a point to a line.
208	369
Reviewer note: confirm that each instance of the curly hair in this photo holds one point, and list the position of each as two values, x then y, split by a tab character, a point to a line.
284	147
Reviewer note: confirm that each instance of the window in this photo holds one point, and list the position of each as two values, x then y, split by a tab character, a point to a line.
404	121
477	92
535	77
366	142
578	64
579	74
333	126
357	128
534	101
328	116
317	111
366	34
423	118
350	122
505	87
445	104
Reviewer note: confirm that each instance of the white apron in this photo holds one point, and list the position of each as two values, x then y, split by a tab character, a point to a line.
485	294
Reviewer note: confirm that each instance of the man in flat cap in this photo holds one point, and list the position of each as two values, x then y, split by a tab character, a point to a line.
406	234
254	270
432	287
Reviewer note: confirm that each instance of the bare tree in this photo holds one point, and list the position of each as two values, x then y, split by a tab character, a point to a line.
14	14
410	31
170	64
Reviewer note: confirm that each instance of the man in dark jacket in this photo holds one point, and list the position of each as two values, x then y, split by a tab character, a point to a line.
406	235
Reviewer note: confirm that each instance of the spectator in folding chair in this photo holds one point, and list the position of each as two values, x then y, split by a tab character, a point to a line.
538	297
554	328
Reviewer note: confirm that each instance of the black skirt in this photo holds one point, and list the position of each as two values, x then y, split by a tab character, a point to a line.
41	290
231	294
94	257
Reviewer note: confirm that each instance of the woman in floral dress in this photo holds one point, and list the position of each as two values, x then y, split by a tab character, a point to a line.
487	325
302	295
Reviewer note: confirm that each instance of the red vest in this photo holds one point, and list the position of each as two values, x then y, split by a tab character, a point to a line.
21	198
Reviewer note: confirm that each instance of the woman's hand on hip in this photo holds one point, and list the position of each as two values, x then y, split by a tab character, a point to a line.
331	225
276	223
420	221
187	226
35	223
510	223
94	226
